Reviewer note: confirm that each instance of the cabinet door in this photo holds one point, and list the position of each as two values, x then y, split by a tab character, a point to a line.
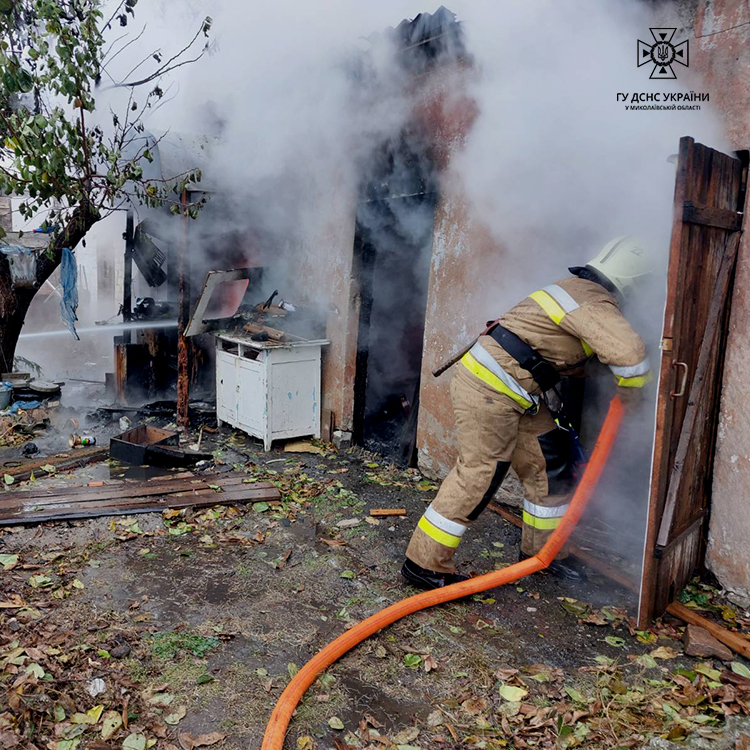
295	394
703	252
251	408
226	387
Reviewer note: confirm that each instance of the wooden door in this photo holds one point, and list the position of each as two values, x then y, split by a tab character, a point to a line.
702	256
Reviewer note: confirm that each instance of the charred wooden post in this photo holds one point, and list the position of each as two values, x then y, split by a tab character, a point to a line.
127	285
183	317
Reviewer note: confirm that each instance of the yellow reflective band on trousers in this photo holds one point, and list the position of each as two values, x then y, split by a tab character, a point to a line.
540	523
556	312
492	380
440	536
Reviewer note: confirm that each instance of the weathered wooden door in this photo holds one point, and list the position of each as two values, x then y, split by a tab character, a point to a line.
703	250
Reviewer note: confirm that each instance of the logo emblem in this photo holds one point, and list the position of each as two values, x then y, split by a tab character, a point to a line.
662	54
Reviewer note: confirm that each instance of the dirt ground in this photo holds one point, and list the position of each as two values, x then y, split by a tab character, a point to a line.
195	620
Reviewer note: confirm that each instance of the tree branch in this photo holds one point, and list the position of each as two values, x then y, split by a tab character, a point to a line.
163	72
124	47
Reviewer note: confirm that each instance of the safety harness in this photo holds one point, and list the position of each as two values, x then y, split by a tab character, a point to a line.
557	303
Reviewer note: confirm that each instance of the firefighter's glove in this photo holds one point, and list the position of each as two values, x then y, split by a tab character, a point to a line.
631	398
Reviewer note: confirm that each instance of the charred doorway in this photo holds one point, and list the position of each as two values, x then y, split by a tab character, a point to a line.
392	248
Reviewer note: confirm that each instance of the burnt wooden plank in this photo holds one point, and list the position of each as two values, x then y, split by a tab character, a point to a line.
135	489
24	469
203	497
62	501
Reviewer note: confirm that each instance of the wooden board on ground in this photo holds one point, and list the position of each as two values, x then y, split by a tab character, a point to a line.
376	512
735	641
21	470
125	497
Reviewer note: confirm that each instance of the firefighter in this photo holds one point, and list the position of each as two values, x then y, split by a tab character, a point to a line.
506	394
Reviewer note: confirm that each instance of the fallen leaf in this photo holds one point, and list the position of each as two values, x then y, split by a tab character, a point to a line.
161	699
435	719
92	715
347	574
39	581
512	694
412	660
261	507
646	660
708	671
430	663
664	652
644	636
36	670
405	736
573	606
615	640
305	743
8	561
110	724
134	741
740	669
505	673
188	742
176	716
474	706
15	602
8	479
575	695
335	723
204	679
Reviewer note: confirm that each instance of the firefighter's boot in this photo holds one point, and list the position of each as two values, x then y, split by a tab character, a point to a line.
428	579
565	569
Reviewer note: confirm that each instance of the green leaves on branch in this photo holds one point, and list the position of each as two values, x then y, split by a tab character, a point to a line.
52	59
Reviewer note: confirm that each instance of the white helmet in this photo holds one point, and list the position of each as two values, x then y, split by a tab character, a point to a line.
623	261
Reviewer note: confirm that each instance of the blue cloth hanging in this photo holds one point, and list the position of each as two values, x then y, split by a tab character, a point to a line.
69	301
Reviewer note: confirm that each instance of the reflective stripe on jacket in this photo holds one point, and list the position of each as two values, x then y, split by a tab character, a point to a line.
480	363
567	322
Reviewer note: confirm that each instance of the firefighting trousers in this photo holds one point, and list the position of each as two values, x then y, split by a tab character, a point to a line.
492	436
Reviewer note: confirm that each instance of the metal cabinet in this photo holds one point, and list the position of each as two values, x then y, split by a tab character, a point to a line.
268	390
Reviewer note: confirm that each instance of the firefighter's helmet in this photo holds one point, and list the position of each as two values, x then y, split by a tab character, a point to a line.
624	261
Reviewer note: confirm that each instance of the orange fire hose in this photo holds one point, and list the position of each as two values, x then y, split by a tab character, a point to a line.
287	703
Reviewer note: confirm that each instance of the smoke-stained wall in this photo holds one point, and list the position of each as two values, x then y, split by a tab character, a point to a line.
551	166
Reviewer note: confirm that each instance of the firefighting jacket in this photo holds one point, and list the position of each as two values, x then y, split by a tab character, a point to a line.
567	323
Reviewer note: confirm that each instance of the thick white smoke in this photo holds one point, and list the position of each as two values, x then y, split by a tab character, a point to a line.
553	166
